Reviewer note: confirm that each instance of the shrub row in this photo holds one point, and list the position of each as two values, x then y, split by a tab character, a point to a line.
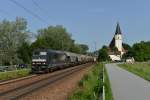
90	86
108	91
14	74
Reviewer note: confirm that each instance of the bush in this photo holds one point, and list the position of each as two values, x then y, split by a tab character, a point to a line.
14	74
108	91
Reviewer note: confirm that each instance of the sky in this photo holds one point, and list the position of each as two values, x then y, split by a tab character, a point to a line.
90	22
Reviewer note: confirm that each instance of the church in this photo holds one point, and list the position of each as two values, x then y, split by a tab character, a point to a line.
116	49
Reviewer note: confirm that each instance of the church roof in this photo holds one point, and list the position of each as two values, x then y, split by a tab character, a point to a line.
112	43
118	30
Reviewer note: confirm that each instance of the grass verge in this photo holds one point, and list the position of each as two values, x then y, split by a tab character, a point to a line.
140	69
14	74
108	91
90	86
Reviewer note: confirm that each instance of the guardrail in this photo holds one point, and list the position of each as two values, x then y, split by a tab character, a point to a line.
103	85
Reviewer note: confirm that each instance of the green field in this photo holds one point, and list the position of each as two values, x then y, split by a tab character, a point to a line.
141	69
14	74
91	85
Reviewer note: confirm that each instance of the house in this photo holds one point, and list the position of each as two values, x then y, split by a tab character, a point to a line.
130	60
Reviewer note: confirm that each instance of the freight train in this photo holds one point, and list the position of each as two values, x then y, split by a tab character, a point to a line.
45	60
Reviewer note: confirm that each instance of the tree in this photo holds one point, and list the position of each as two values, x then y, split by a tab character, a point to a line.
140	51
103	54
12	35
75	48
53	37
129	53
126	46
24	52
83	48
57	38
114	49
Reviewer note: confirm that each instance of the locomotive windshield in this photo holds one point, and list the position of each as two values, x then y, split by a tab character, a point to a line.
43	53
39	55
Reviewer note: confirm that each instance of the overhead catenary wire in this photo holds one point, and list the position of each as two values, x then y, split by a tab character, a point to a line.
40	8
29	11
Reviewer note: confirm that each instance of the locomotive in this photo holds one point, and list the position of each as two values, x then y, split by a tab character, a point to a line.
46	60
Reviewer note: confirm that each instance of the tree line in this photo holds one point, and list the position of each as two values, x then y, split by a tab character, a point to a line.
140	51
16	46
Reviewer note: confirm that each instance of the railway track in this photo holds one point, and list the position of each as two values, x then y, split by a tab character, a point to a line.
22	89
15	80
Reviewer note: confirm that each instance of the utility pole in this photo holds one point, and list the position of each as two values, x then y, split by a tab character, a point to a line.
62	45
95	46
0	58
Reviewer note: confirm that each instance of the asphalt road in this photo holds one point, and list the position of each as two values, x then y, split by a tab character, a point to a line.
127	86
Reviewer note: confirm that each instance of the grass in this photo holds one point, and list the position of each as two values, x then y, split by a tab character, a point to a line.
108	91
90	86
14	74
141	69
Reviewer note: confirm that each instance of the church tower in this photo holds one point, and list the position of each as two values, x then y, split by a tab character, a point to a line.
118	38
116	43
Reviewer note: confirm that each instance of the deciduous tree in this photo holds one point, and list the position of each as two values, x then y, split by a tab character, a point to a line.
12	35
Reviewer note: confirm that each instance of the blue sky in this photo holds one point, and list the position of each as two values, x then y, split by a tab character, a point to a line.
88	21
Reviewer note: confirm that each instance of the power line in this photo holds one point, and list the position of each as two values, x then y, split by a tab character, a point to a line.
95	46
39	7
29	11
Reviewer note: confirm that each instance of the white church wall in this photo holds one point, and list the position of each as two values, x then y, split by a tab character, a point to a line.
118	42
115	57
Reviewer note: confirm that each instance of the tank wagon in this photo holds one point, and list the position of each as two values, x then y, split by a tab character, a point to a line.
44	61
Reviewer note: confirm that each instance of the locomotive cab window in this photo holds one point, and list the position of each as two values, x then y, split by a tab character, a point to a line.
36	53
43	53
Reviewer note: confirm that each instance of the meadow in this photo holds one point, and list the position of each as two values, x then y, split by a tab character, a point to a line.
141	69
